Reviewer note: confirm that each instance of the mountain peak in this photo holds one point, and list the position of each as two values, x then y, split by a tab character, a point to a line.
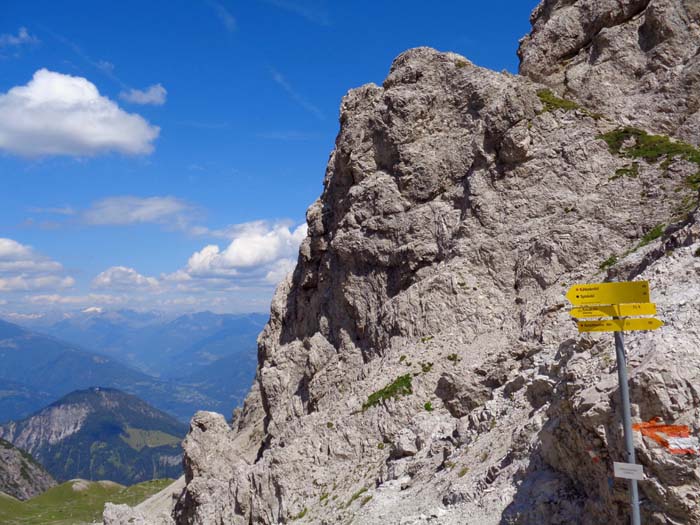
103	421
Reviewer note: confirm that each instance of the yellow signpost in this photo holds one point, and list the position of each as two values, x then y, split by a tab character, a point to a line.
609	293
619	301
613	310
620	325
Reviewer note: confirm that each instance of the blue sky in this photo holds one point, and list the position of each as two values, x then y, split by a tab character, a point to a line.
162	154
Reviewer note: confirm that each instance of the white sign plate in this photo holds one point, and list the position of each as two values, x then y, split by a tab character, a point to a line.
628	471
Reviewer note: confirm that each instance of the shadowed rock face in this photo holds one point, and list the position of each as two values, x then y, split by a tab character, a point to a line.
419	364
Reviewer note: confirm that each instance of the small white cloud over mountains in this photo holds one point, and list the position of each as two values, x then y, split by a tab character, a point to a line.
57	114
22	269
121	277
154	95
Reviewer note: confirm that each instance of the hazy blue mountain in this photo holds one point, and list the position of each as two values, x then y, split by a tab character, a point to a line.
18	400
156	344
38	367
227	379
101	434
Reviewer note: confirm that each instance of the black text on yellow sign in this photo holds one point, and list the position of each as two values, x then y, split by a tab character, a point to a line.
609	293
620	325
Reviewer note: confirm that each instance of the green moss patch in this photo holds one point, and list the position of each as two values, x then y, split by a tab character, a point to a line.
653	234
401	386
552	102
635	143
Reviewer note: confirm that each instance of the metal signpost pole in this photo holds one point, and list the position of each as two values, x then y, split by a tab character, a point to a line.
627	421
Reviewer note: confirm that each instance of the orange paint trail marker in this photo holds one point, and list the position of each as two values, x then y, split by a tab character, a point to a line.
674	438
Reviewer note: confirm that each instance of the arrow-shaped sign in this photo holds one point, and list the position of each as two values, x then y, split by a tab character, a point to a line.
614	310
609	293
619	325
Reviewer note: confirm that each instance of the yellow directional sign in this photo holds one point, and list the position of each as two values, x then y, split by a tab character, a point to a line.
619	325
613	310
609	293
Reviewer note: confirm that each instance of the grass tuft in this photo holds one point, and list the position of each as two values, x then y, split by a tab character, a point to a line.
609	262
355	496
653	234
552	102
401	386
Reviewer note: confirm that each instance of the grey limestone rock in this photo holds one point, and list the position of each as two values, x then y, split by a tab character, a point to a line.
419	365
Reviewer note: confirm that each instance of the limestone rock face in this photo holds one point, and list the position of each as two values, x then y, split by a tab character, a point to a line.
634	59
419	365
20	475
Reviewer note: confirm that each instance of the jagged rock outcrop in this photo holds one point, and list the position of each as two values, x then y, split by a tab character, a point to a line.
636	60
419	365
20	475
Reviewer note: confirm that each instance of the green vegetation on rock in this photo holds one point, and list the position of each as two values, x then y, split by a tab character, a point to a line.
75	502
355	496
607	263
402	386
652	235
552	102
635	143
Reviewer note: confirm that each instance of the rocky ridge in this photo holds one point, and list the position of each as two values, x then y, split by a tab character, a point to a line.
420	366
20	475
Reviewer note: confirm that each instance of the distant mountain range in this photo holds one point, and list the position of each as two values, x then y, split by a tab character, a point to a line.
101	434
155	343
209	360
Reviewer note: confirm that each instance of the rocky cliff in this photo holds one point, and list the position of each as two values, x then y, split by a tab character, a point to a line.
20	475
420	365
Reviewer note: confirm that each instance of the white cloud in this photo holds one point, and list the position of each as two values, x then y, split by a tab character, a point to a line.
56	299
22	269
225	16
26	283
57	114
155	95
22	37
279	270
58	210
312	11
255	244
123	278
132	210
12	250
281	81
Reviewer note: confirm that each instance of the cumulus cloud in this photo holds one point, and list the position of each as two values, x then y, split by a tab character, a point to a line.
21	38
123	278
57	114
154	95
23	269
279	270
132	210
254	244
12	250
